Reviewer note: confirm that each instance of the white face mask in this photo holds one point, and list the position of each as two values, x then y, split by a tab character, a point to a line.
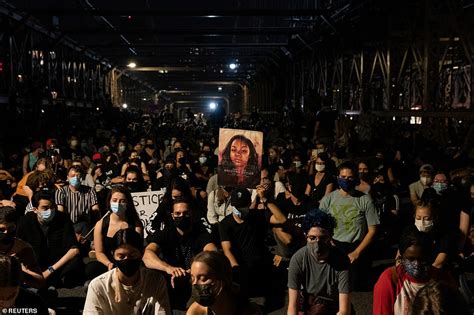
121	148
424	226
426	180
297	164
319	167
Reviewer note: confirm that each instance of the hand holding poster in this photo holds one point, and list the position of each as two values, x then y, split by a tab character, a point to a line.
240	158
146	204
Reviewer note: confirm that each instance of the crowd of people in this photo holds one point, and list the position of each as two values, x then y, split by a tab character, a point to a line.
310	226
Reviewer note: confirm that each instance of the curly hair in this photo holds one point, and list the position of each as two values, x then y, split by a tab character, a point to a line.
319	218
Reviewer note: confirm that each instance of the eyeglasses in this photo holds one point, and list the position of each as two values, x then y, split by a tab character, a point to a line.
314	238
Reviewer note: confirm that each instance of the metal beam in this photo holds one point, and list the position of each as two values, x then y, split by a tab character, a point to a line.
206	13
193	45
191	31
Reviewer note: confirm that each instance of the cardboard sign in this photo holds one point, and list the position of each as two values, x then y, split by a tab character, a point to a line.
240	158
146	204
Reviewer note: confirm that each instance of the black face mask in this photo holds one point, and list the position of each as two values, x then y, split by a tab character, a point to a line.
128	267
183	223
319	249
133	186
7	238
150	146
182	160
203	294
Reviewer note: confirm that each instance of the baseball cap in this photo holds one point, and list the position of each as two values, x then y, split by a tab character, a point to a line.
97	157
240	198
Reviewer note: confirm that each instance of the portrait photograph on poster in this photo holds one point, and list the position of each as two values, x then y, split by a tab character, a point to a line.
240	158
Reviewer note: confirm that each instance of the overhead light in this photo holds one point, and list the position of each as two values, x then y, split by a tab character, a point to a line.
221	71
233	66
212	105
97	108
220	88
124	105
132	65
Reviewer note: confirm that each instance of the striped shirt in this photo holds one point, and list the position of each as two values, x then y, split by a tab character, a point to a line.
77	204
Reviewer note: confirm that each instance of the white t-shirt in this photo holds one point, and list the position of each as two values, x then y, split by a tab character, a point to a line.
149	295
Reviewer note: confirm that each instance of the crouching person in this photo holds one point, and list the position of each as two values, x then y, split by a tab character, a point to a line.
318	276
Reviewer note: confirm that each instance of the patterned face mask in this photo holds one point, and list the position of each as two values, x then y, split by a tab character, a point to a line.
415	269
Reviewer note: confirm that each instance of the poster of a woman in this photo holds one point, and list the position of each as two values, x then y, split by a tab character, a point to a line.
240	158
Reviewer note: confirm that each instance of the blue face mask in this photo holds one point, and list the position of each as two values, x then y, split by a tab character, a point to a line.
47	215
440	187
118	207
74	181
346	184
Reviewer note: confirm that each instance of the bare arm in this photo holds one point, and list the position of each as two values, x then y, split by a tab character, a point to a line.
292	301
210	247
227	248
368	238
153	261
344	304
464	227
329	189
277	216
99	247
70	255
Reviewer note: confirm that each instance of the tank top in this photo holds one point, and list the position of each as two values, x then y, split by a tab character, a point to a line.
32	159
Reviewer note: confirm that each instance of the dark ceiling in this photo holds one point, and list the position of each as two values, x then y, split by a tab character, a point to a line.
189	45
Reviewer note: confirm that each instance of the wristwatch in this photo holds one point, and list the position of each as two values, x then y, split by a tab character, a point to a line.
51	269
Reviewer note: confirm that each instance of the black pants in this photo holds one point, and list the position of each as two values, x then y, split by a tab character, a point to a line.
360	269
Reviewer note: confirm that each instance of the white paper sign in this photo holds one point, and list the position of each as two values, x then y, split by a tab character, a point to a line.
146	204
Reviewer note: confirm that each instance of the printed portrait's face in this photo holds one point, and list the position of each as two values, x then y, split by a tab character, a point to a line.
239	153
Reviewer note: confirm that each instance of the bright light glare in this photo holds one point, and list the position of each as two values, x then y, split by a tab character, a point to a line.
232	66
132	65
220	88
124	105
212	105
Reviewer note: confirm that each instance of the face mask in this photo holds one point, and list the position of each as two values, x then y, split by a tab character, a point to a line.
440	187
297	164
415	269
74	181
182	160
304	139
318	249
319	167
47	215
203	294
74	143
132	186
118	207
424	226
202	159
121	149
7	238
149	146
83	145
128	267
183	223
346	184
426	180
